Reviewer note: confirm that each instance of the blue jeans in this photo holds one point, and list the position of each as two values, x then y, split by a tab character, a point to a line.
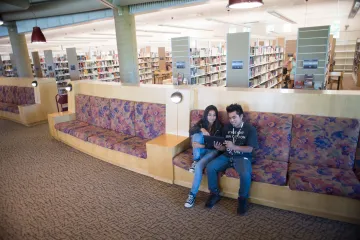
203	157
242	166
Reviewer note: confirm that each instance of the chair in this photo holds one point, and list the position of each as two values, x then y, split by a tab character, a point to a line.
336	77
61	100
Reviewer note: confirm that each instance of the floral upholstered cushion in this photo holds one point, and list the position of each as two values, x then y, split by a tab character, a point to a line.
266	171
332	181
134	146
84	133
20	96
274	135
324	141
150	120
10	94
9	107
2	94
108	138
357	161
66	127
122	116
82	108
30	95
184	159
100	112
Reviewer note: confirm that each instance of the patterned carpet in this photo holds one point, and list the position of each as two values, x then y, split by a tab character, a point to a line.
51	191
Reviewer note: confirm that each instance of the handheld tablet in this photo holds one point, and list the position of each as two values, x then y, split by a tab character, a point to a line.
210	140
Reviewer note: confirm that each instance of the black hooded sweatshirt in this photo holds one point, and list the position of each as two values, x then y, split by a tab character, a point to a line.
216	129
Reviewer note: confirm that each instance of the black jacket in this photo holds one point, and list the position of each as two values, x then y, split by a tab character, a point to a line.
200	124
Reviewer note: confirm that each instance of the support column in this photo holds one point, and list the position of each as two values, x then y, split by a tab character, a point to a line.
2	70
127	47
20	51
37	65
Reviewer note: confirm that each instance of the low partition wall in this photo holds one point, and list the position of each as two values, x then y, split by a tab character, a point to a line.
162	149
27	105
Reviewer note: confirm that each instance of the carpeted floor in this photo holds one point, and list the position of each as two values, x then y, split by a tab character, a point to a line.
51	191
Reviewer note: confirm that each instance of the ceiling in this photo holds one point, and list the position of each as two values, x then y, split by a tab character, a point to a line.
208	21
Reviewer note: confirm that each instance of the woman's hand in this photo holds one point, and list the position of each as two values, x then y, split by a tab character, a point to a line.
197	145
219	146
204	132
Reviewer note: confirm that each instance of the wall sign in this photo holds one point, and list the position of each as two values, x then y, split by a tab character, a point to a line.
237	65
50	68
72	67
311	64
180	65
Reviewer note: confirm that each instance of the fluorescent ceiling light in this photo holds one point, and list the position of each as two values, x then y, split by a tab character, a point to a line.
108	4
245	4
224	22
184	27
113	34
151	31
278	15
355	8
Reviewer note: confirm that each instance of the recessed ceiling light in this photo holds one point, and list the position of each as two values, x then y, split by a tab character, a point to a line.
184	27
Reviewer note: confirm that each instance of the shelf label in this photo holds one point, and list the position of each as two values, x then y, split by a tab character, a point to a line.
180	65
237	65
311	64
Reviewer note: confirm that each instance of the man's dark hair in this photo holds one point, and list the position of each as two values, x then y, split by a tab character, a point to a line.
235	108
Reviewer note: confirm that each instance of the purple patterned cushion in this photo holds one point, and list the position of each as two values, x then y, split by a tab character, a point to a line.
184	159
324	141
357	160
9	107
100	112
84	133
66	127
20	96
266	171
108	138
122	116
274	135
30	95
10	94
82	108
134	146
150	120
2	94
324	180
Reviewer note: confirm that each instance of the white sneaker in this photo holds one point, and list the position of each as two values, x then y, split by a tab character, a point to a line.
192	168
190	201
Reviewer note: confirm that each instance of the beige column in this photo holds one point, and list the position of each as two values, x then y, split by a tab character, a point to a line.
20	52
37	65
127	47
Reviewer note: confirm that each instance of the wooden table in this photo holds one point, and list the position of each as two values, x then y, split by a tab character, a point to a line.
339	75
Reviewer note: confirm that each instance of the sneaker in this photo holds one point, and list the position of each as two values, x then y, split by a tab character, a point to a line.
212	200
192	168
242	206
190	201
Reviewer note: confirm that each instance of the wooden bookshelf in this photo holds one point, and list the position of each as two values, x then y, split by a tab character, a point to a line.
356	64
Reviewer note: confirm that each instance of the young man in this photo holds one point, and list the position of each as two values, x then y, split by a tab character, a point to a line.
240	140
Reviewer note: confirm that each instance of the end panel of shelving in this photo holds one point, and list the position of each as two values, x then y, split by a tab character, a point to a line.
181	57
238	46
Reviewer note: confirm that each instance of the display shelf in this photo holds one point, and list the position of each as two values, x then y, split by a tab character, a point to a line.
356	64
344	55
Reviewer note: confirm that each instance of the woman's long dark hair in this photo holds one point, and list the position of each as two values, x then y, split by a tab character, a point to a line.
216	125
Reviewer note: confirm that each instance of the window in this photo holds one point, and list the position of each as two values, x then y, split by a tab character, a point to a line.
287	28
335	29
246	29
270	28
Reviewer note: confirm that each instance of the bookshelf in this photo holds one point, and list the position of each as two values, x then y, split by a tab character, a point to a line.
145	60
344	56
313	50
356	64
198	63
255	63
8	70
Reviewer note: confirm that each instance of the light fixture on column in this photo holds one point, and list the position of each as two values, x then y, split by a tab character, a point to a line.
245	4
1	21
68	87
176	97
34	83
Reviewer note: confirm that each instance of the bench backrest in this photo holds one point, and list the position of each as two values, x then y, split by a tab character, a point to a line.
144	120
324	141
273	130
17	95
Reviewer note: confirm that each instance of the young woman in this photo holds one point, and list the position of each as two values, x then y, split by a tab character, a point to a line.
209	125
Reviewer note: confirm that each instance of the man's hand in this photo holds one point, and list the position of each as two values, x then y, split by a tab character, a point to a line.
230	145
205	133
197	145
219	146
